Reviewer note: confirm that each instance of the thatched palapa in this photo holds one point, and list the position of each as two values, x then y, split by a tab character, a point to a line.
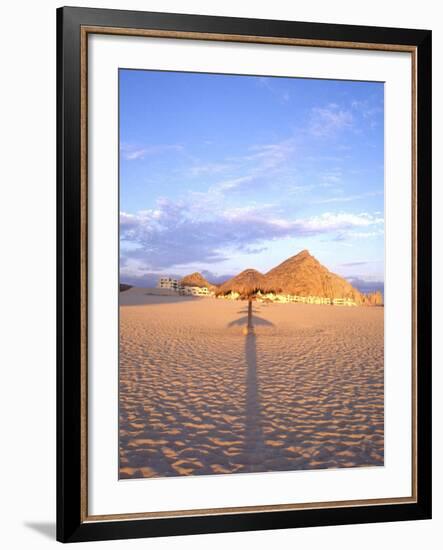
247	283
304	275
301	275
197	279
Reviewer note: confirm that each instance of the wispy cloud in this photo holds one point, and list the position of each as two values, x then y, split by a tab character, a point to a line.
366	234
331	177
270	84
353	264
349	198
326	121
368	111
330	222
176	234
271	155
130	152
258	162
209	168
230	184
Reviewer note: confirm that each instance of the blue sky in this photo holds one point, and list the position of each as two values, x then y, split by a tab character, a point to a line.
219	173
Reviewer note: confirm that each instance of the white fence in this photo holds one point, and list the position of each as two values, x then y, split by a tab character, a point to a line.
291	298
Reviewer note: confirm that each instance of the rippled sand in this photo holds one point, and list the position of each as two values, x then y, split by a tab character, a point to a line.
304	391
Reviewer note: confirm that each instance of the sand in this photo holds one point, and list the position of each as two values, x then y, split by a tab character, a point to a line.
197	396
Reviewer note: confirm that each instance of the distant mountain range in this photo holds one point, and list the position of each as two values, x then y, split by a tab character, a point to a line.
300	275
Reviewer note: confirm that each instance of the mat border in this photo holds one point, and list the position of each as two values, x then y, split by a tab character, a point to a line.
73	27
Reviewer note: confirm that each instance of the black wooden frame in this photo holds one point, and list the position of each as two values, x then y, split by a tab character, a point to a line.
70	527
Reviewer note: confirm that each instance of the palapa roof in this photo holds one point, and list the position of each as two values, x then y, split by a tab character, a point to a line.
196	279
300	275
304	275
245	283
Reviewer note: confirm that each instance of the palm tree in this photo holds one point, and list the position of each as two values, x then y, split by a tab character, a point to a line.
247	284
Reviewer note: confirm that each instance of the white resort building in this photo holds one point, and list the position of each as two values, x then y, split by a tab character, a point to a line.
169	283
195	291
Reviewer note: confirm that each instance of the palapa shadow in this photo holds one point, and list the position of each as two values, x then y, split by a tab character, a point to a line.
254	444
254	437
257	321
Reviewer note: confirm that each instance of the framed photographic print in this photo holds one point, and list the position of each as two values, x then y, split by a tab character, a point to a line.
244	274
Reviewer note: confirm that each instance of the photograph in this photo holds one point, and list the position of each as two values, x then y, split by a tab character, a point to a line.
251	274
244	260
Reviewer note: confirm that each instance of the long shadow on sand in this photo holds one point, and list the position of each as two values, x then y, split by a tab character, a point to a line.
254	445
254	437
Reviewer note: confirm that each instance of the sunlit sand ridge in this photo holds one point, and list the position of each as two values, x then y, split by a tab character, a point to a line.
197	396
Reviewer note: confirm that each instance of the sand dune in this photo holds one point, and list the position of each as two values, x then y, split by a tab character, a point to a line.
305	391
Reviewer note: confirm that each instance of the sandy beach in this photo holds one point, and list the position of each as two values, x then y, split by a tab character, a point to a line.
198	397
